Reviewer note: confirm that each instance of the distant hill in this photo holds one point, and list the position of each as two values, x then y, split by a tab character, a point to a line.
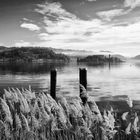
137	57
84	53
30	54
99	59
119	56
2	48
74	53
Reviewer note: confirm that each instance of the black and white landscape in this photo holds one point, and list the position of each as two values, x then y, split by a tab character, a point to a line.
69	69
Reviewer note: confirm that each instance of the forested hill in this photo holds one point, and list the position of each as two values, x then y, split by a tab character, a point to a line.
137	57
30	54
100	59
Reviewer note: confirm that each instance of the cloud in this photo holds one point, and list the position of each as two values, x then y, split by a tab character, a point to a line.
30	26
1	44
70	26
44	36
27	20
66	26
110	14
131	3
54	10
91	0
105	51
22	43
65	30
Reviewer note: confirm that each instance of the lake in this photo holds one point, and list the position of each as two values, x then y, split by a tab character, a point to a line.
112	82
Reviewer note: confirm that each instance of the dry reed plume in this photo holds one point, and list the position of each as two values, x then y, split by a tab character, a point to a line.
26	115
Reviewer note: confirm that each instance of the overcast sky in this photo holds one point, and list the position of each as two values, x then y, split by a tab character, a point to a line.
96	25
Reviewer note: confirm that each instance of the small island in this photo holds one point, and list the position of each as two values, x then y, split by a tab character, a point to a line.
30	54
99	59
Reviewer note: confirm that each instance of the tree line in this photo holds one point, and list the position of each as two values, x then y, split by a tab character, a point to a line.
99	59
30	54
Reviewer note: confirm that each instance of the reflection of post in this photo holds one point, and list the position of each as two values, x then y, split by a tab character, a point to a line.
53	83
83	77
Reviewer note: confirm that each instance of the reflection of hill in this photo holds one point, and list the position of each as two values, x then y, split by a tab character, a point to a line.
101	65
137	64
29	68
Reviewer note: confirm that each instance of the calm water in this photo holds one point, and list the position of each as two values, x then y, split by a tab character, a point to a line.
103	81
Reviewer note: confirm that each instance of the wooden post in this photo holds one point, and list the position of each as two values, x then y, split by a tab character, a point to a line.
109	56
109	60
53	79
83	77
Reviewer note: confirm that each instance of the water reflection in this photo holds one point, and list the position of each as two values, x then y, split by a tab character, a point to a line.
104	81
21	75
137	64
29	68
105	65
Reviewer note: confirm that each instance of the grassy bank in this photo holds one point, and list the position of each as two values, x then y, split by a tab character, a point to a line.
26	115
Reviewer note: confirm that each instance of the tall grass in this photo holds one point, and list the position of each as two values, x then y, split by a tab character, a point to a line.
26	115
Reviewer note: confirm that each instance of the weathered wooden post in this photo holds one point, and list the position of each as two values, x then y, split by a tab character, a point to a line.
109	56
53	79
109	60
83	77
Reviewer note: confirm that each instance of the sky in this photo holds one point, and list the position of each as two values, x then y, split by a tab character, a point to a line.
109	26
